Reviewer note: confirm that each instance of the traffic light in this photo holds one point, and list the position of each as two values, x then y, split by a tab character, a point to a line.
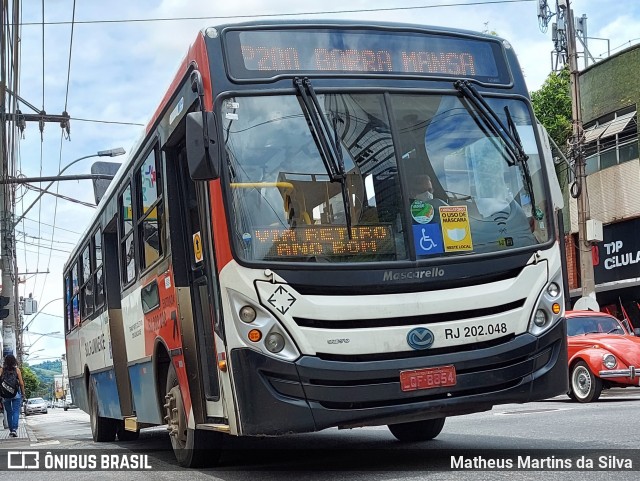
4	300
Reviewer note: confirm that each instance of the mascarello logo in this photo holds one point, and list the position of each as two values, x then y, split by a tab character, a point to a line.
420	338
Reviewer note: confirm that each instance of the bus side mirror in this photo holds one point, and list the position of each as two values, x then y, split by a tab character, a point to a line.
204	163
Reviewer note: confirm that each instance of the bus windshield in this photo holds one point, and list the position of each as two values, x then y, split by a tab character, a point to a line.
440	185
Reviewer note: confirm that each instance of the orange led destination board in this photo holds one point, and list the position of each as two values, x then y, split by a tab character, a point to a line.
305	241
254	54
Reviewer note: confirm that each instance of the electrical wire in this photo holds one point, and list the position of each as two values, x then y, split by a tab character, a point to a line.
286	14
61	196
62	136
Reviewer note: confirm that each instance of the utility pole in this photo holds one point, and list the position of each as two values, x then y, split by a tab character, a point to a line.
587	282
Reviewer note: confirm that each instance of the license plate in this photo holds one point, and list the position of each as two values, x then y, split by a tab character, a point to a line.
428	378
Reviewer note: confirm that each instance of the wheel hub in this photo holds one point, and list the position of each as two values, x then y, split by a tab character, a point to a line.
176	420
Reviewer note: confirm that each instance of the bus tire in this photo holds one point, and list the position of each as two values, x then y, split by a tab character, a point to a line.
102	429
417	430
193	448
124	435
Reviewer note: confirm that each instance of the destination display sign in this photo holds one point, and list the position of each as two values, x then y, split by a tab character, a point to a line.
262	54
330	241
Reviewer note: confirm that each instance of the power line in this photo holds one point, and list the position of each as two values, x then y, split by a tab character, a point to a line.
287	14
106	121
51	225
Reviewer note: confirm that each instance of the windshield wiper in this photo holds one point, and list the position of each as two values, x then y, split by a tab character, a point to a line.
329	148
508	134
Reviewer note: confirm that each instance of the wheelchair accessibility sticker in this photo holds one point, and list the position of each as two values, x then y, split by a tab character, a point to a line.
428	239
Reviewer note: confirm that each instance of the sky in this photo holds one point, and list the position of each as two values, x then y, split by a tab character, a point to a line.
119	72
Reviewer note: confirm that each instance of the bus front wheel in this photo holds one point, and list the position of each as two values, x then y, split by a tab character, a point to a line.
193	448
417	430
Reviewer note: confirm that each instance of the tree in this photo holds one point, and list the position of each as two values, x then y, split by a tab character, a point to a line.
31	381
552	106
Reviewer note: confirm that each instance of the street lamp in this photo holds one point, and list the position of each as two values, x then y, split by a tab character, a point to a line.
39	312
101	153
41	336
27	354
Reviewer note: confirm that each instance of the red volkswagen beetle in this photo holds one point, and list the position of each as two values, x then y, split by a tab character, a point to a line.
603	353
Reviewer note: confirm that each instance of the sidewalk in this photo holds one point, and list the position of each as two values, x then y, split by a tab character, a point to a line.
24	439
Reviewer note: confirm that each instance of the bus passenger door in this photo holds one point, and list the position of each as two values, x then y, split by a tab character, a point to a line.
200	275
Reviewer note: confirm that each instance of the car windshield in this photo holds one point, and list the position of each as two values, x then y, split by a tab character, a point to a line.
580	325
36	400
424	178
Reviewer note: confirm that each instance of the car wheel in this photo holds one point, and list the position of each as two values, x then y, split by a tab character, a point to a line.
417	430
585	386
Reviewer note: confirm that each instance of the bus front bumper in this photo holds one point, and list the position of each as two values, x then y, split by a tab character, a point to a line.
310	394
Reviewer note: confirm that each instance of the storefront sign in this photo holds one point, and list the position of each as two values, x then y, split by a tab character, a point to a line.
618	256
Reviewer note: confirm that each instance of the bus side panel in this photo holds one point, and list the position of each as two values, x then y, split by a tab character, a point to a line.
107	394
94	343
118	352
141	371
143	388
75	370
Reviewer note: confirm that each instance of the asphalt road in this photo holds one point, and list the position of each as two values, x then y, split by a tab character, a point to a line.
555	432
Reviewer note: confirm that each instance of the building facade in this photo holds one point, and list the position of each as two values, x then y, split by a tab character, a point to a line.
610	95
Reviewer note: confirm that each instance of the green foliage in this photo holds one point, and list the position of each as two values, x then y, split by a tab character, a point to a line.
49	366
31	381
552	106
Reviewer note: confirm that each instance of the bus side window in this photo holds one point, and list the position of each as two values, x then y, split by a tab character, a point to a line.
127	253
151	217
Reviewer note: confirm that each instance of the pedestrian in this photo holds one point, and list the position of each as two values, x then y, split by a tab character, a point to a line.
12	392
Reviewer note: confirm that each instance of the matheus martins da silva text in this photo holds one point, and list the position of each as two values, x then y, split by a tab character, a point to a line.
603	462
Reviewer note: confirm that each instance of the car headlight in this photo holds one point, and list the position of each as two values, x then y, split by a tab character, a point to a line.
609	361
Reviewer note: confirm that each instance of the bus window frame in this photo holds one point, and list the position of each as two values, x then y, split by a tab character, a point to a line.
159	204
95	268
128	183
86	311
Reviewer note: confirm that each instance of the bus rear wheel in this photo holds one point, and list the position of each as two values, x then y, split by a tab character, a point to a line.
417	430
102	429
193	448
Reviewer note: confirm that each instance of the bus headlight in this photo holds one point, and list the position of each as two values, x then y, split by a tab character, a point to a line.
540	318
553	289
274	342
247	314
548	310
258	329
609	361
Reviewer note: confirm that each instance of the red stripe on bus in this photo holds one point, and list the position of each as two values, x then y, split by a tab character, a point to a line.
197	54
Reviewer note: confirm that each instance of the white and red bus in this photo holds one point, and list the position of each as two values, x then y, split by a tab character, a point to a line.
326	224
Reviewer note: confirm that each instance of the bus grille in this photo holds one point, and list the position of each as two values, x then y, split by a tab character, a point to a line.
408	320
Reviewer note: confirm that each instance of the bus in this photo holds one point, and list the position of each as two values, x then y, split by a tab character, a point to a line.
325	224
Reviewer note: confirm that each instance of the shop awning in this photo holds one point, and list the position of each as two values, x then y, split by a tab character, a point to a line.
593	133
618	125
608	129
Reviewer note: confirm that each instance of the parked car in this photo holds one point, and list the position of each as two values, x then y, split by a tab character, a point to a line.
35	405
603	353
68	403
